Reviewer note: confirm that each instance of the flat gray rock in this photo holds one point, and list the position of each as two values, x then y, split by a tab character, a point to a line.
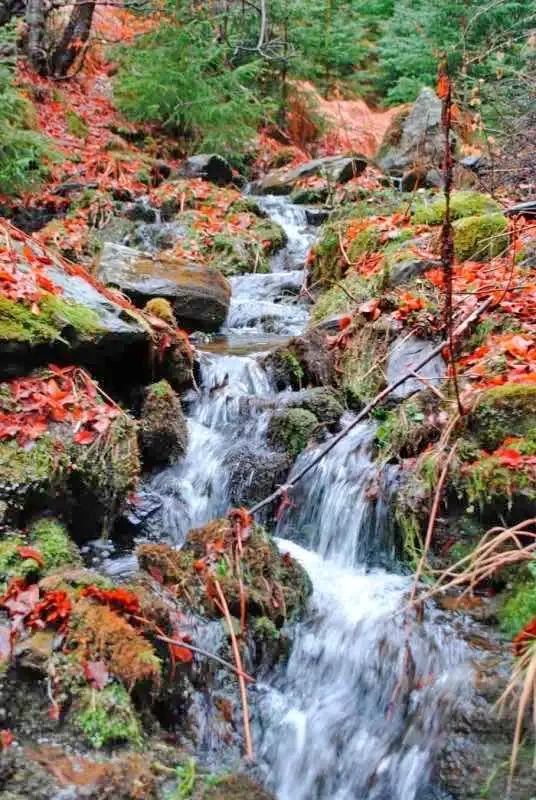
404	356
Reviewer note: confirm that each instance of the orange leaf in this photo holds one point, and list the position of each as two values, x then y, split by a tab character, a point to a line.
443	86
30	552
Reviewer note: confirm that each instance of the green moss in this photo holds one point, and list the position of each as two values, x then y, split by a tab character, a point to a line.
404	431
508	410
11	564
340	299
107	717
480	238
462	204
271	235
50	537
292	429
18	323
366	241
161	389
264	628
291	364
76	125
24	468
310	195
519	608
487	483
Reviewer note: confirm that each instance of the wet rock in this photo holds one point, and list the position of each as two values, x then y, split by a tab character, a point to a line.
253	473
324	403
404	355
338	169
304	361
291	430
404	271
78	324
199	295
208	166
316	216
85	485
140	211
33	653
163	430
415	137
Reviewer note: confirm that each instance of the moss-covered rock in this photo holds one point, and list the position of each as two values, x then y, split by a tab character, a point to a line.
363	364
480	238
51	540
292	429
462	204
163	429
508	410
518	607
234	787
107	717
405	431
340	299
19	324
304	361
323	402
275	585
85	482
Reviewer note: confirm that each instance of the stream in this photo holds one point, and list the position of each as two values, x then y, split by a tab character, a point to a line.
359	708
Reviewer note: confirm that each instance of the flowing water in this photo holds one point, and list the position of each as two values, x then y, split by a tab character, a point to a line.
358	710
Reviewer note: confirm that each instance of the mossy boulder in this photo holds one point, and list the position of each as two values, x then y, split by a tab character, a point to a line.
275	586
107	717
163	429
234	787
341	299
480	238
292	429
329	263
86	481
305	361
462	204
323	402
505	411
50	538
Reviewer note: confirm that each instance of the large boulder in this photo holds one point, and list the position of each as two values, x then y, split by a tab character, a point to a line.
208	166
414	140
304	361
337	169
74	320
65	448
199	295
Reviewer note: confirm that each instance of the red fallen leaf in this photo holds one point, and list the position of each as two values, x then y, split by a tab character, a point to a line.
96	673
84	437
6	739
509	457
199	565
120	599
525	638
19	600
518	345
182	654
5	643
31	552
345	321
55	607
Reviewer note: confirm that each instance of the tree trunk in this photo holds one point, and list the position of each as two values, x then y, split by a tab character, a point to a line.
74	37
36	16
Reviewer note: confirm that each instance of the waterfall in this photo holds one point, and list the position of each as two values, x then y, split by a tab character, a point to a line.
358	710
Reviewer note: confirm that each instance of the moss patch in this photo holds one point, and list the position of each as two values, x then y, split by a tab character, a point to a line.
480	238
342	298
519	608
462	204
163	430
508	410
108	717
18	323
362	365
292	429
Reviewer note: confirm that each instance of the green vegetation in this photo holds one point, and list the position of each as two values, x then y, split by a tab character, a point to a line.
18	323
108	717
51	538
462	204
342	298
519	607
508	410
179	75
480	238
292	429
24	153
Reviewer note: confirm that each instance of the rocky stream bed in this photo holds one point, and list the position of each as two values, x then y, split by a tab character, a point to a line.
352	699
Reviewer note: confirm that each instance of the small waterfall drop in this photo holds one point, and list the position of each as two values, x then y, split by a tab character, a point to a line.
358	710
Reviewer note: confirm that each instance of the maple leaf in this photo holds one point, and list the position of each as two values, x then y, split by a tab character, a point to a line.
54	608
443	86
31	552
96	673
509	457
525	638
182	654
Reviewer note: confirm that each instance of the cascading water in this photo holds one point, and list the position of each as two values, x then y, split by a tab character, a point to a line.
357	711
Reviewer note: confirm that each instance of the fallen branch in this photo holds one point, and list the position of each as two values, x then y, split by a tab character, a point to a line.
238	661
460	330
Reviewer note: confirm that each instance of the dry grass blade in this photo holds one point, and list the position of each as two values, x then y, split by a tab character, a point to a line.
523	677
